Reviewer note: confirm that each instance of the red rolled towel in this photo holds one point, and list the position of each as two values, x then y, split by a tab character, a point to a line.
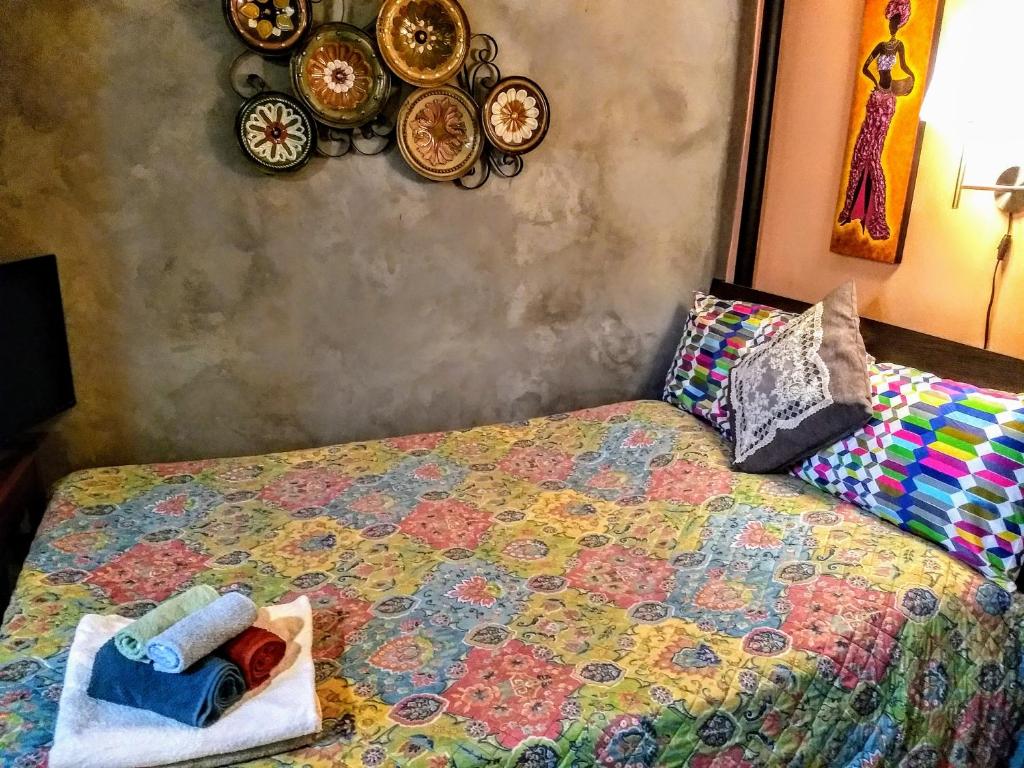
256	652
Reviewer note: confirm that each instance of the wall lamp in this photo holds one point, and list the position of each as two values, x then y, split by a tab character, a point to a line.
980	111
1008	188
1008	191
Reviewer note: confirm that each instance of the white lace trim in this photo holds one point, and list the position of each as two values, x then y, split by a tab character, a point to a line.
719	410
780	384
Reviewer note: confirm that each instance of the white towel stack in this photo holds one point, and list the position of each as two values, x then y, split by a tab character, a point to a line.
284	714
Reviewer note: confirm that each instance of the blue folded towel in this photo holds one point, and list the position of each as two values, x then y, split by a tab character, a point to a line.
197	697
201	633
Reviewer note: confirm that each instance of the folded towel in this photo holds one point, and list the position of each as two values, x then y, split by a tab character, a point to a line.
201	633
256	652
197	697
131	641
95	734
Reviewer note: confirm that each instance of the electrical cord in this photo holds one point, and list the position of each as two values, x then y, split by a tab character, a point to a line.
1001	254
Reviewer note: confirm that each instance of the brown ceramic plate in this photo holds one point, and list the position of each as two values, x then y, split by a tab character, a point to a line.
276	132
424	42
339	76
439	132
516	116
270	27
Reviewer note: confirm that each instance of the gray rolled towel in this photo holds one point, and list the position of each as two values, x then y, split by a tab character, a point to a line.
131	641
201	633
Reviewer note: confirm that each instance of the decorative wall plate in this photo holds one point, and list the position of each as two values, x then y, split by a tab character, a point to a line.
270	27
276	132
516	115
339	76
424	42
439	132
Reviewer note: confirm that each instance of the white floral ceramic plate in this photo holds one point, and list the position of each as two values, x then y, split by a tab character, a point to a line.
339	76
276	132
439	133
270	27
516	116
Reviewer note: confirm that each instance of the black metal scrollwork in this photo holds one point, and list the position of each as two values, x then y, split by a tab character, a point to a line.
374	138
478	77
245	82
480	73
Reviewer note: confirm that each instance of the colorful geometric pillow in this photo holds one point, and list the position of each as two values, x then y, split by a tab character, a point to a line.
717	332
940	459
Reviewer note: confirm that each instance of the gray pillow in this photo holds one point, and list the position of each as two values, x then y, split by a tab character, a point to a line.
805	387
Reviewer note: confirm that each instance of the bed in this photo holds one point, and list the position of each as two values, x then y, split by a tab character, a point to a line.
593	588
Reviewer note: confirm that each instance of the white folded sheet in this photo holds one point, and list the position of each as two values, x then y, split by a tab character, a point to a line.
98	734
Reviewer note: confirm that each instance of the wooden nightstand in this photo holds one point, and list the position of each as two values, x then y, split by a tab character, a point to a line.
22	503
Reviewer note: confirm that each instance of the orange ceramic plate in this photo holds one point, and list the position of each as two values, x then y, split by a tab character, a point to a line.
339	77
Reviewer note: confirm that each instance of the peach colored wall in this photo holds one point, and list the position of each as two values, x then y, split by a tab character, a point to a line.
942	285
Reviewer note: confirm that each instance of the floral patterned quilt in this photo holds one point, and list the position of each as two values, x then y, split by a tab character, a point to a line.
596	588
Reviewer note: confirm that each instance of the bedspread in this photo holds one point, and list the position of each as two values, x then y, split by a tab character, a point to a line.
596	588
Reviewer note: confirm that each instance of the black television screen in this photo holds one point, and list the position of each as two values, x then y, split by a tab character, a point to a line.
35	370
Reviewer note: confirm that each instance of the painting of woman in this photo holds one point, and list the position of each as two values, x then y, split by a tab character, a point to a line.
897	47
865	191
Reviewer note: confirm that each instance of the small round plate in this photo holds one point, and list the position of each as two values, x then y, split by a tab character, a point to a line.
439	132
269	27
516	115
276	132
339	76
424	42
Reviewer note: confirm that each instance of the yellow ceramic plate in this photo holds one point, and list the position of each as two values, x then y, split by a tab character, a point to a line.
424	42
439	132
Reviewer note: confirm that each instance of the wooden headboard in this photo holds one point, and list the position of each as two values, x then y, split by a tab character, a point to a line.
890	343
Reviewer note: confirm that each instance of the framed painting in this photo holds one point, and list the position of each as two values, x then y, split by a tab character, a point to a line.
897	50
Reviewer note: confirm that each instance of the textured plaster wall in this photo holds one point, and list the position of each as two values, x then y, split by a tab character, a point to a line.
213	310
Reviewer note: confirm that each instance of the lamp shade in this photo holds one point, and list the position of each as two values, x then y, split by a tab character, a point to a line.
974	88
